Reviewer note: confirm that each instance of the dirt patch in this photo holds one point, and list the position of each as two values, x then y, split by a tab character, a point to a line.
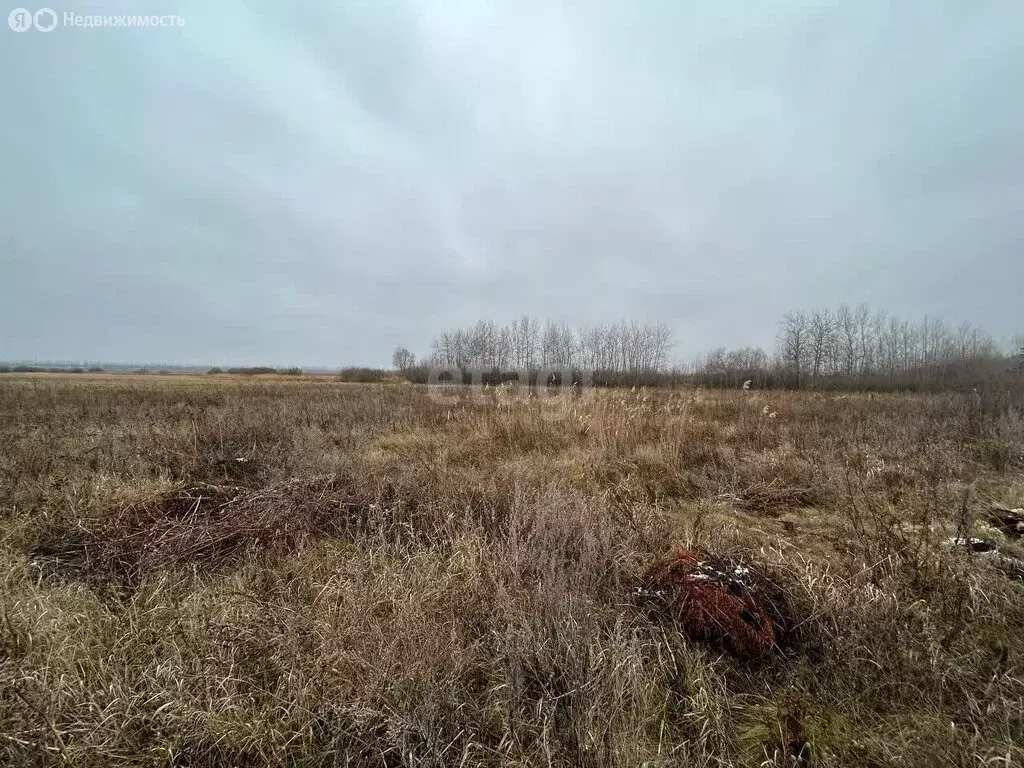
720	601
211	526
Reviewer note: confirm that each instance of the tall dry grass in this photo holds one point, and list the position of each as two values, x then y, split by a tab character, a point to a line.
199	572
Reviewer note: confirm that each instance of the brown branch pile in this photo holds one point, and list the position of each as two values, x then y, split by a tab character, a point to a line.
210	526
719	601
770	498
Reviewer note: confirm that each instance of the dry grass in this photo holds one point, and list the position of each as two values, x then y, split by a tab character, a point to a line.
213	572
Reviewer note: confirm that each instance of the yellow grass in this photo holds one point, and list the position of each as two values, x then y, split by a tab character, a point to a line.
391	576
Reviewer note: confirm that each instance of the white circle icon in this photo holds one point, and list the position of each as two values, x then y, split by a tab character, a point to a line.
45	20
20	20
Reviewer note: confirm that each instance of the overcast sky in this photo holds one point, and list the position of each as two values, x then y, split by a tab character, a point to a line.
313	183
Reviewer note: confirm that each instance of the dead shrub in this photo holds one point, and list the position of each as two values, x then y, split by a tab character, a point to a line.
209	526
720	601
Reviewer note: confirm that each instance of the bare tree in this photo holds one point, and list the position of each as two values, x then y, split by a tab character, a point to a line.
865	347
846	326
794	341
403	359
820	337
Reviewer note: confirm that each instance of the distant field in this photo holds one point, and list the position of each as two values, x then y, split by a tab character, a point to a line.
249	571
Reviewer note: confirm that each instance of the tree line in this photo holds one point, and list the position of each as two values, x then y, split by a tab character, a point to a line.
859	347
849	347
527	345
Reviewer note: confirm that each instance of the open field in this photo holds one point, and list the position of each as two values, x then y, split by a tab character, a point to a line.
201	571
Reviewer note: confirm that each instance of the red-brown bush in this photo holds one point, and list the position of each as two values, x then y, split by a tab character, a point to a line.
720	601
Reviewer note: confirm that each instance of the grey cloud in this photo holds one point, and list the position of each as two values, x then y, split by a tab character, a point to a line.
314	184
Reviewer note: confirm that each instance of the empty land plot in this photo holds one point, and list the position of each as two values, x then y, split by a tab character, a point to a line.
200	571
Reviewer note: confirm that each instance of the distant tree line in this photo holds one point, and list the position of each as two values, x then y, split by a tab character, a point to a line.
845	348
356	375
256	370
48	369
859	348
527	345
